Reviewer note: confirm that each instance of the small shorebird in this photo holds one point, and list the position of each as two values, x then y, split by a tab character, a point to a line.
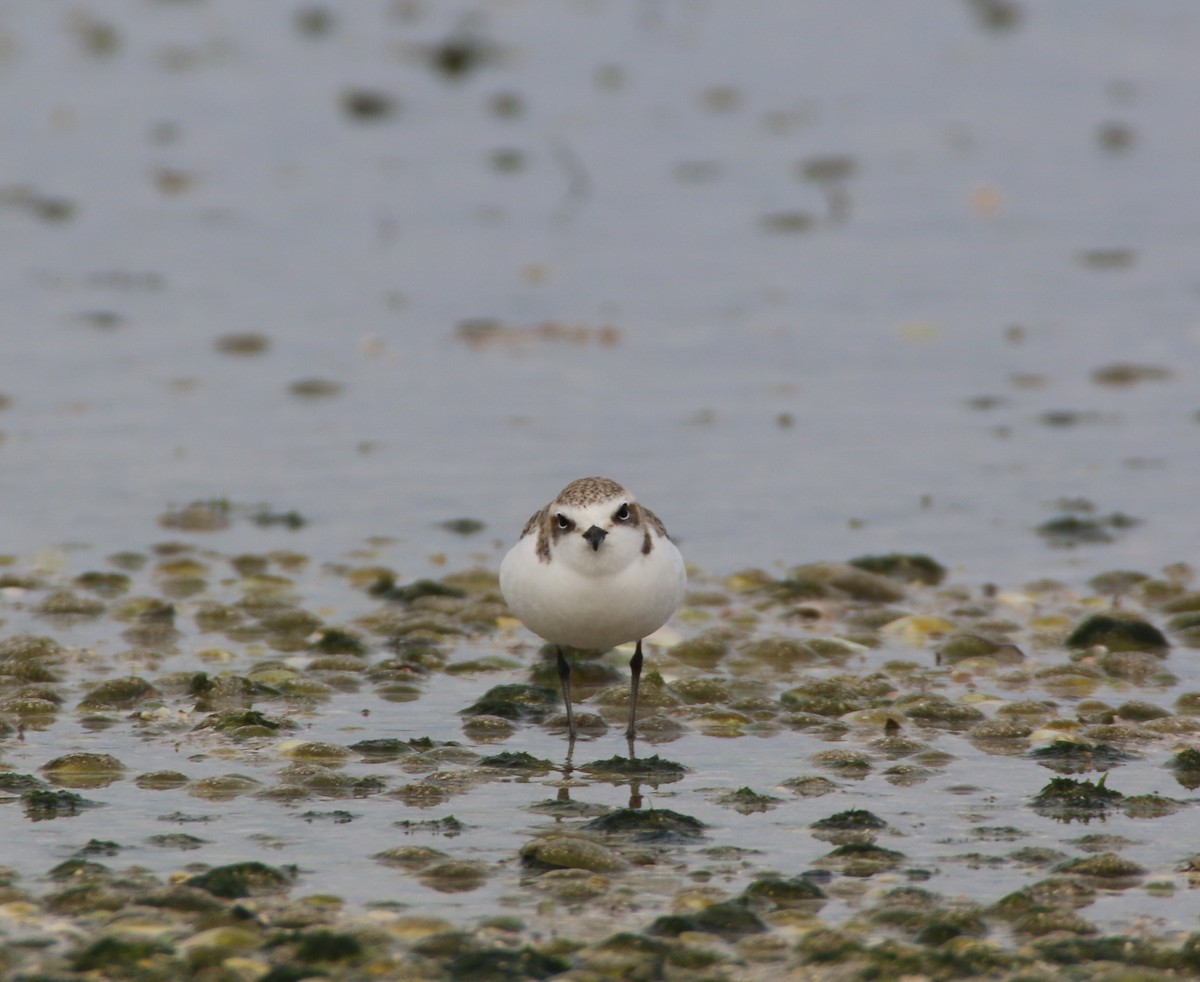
594	569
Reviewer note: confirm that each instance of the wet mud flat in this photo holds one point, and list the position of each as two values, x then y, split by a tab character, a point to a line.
277	766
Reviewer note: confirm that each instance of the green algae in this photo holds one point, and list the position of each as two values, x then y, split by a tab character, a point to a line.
29	658
774	892
222	787
317	751
659	825
1186	765
1145	806
847	763
244	724
1106	866
212	515
245	879
747	801
1066	799
505	965
1186	628
936	710
337	641
592	863
454	875
556	851
84	770
780	654
810	786
121	693
515	701
942	926
67	604
448	826
729	920
702	689
838	694
857	821
115	954
177	840
12	782
861	859
387	748
704	651
1118	633
517	761
43	804
653	768
850	581
415	591
1071	757
1069	531
963	647
104	584
409	857
908	568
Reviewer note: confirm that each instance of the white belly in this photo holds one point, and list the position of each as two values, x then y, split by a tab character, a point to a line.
567	607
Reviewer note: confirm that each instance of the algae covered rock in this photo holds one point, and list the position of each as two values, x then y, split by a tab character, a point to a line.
855	825
1107	866
556	851
938	711
648	825
774	892
731	920
861	859
907	568
454	875
781	654
1066	798
66	604
30	658
84	770
43	804
515	701
651	769
518	761
747	801
1118	633
244	724
837	695
122	693
850	581
247	879
961	647
703	651
104	584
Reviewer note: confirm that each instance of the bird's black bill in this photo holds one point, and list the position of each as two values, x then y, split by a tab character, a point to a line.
595	535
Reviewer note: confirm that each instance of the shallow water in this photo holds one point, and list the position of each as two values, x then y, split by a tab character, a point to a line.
777	395
599	248
956	826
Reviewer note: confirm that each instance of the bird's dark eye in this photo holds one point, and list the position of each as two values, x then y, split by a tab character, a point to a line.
564	523
622	513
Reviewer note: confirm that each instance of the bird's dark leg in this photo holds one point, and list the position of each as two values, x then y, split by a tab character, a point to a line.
564	679
635	678
568	768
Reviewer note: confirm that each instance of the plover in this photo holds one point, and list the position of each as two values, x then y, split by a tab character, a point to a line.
594	569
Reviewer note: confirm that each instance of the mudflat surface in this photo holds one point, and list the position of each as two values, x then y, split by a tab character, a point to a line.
307	309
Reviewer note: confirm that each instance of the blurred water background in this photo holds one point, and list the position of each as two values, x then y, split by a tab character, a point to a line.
813	279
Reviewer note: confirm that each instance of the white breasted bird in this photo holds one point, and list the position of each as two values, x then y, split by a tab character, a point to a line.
594	569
